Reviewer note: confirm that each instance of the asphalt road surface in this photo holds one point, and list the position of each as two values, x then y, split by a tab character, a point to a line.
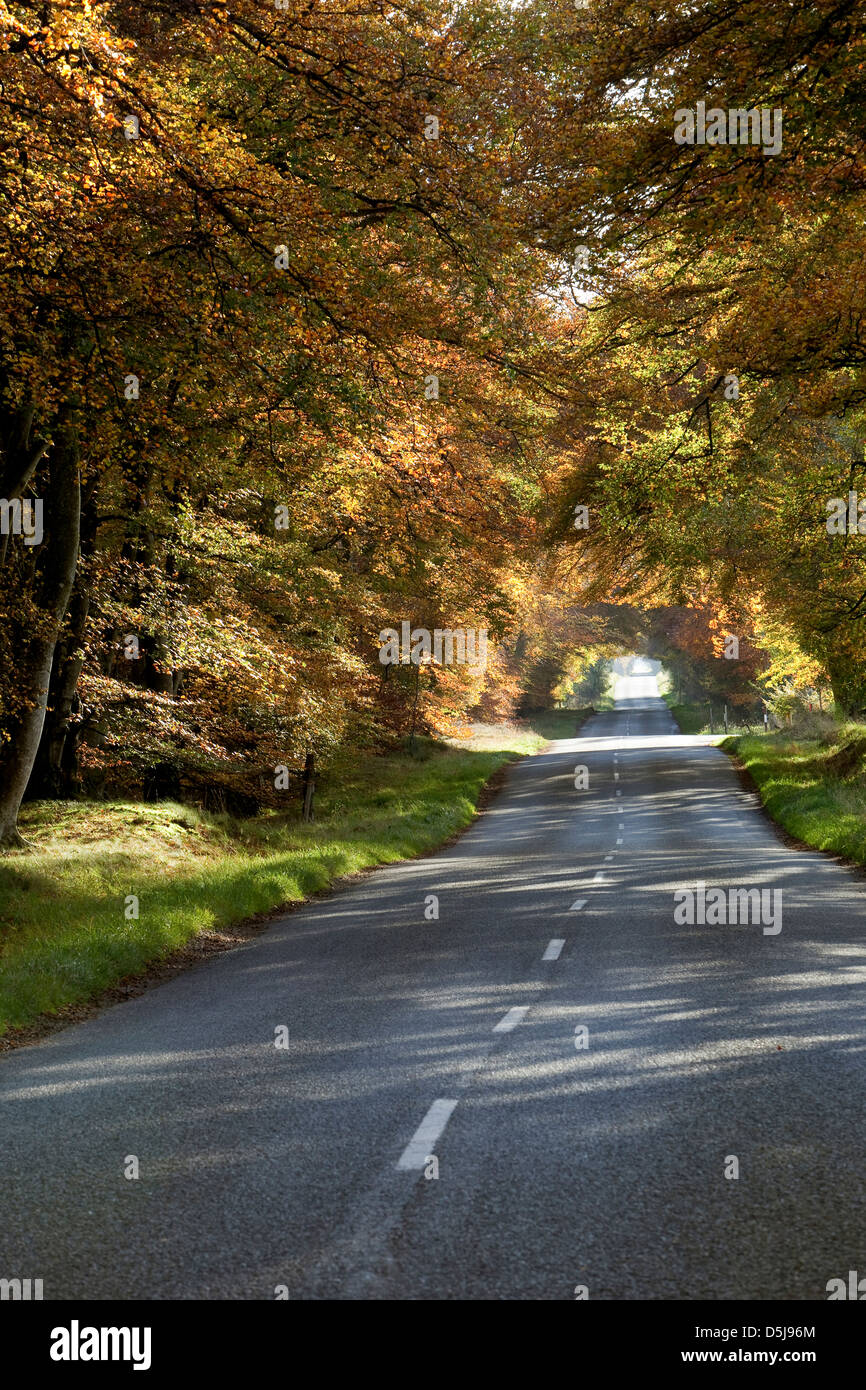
561	1166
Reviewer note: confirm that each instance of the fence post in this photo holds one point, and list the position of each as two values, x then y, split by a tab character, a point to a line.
415	705
710	704
309	785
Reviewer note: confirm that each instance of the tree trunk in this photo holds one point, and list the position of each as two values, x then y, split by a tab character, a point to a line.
37	635
55	771
848	681
309	785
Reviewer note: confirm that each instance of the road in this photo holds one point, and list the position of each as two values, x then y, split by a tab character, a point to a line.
561	1167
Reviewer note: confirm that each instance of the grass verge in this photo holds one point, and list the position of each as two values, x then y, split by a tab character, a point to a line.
695	719
691	718
814	788
66	930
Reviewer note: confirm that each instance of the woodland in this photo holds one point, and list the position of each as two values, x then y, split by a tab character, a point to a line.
322	316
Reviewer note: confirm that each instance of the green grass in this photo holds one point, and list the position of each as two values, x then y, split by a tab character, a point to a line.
64	936
691	718
803	790
559	723
695	718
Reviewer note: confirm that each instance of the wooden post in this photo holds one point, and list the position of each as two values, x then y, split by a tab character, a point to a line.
415	706
710	704
309	785
726	718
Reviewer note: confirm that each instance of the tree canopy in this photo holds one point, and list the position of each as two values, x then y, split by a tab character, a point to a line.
319	318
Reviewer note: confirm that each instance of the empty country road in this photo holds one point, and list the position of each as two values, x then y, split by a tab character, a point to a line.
583	1070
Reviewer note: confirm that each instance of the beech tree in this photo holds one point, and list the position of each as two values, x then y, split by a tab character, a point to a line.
320	318
271	235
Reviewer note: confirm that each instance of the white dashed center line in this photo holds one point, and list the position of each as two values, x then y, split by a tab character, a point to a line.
619	841
577	904
511	1019
417	1151
598	877
554	950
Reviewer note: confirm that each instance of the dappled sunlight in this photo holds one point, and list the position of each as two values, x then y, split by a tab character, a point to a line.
691	1028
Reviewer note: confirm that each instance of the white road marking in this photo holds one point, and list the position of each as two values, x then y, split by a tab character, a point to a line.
511	1019
618	792
599	877
577	904
620	825
417	1151
619	841
554	950
607	857
615	775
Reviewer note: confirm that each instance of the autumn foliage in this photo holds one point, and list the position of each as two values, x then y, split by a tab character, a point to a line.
319	318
